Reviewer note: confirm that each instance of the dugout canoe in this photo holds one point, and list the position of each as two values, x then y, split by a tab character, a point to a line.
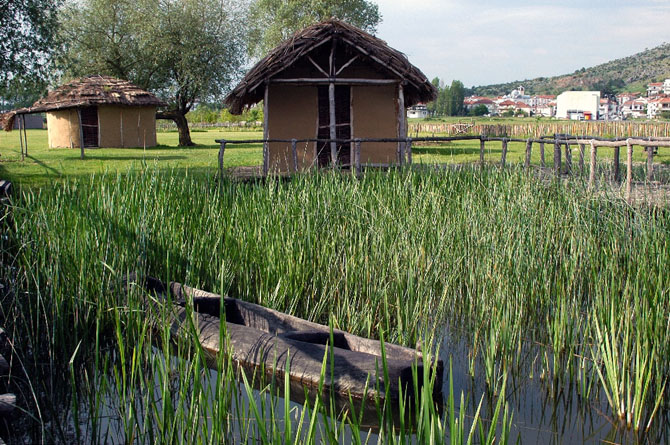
262	339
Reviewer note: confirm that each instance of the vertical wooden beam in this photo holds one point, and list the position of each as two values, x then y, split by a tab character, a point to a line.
542	163
222	149
557	157
409	151
25	133
617	158
23	154
357	156
482	142
629	170
81	133
333	124
592	172
503	158
650	163
266	132
568	159
529	147
402	126
581	157
294	152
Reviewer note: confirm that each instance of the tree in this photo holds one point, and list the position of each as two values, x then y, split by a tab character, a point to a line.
186	51
26	40
456	98
276	20
479	110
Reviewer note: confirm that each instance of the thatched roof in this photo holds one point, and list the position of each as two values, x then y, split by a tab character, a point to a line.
374	50
87	91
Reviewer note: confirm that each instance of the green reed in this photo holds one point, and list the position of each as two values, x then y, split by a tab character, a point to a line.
521	268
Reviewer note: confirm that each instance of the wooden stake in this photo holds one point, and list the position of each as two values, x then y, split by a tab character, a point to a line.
409	151
617	156
81	133
581	157
568	159
650	163
529	147
629	171
557	157
592	172
23	155
357	156
222	149
504	152
402	127
266	133
333	125
542	154
482	143
25	133
294	152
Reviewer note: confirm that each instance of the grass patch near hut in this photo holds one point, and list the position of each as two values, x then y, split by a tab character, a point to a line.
541	281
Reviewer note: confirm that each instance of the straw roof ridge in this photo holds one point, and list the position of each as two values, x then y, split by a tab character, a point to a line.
248	91
87	91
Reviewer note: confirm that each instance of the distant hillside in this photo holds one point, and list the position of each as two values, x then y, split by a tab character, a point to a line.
631	73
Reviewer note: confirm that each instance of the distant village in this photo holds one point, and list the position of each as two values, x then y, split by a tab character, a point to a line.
575	105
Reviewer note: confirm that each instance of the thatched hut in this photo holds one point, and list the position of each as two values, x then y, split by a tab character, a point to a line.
99	111
332	81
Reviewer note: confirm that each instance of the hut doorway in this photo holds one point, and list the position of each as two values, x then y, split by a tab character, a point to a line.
89	126
342	125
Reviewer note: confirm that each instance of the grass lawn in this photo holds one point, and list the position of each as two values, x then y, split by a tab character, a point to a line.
44	165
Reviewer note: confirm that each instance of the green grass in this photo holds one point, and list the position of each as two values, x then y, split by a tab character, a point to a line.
519	270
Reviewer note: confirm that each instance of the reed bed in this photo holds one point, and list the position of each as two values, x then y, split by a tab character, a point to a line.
523	271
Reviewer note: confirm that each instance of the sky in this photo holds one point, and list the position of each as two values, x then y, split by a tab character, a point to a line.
481	42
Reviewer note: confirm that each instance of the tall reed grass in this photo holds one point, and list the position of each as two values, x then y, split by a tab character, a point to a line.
524	270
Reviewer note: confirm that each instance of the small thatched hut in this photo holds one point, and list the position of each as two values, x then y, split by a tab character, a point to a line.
332	81
101	111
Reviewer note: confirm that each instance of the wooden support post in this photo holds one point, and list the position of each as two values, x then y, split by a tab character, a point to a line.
23	155
581	157
222	149
650	163
294	152
409	151
402	125
503	158
25	133
557	157
592	164
482	142
81	133
357	156
542	154
266	146
629	170
529	147
617	156
333	124
568	159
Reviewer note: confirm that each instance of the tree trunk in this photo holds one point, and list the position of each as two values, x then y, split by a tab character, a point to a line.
179	119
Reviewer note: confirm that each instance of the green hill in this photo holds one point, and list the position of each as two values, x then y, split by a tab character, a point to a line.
631	73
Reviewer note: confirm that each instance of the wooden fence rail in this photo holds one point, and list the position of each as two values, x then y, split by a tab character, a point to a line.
558	140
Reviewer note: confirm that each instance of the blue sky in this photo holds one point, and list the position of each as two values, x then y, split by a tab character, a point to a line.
482	42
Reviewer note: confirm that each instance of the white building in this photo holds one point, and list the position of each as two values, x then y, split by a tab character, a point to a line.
656	106
574	104
666	87
419	111
635	108
654	89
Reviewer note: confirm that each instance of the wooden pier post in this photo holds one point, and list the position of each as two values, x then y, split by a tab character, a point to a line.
617	158
592	164
568	159
357	156
482	143
503	158
650	163
409	151
222	149
557	157
266	147
294	152
581	158
542	164
629	170
529	148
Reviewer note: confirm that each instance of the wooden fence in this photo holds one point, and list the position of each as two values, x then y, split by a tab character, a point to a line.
558	141
613	129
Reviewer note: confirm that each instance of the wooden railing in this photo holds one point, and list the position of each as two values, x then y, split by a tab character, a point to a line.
404	151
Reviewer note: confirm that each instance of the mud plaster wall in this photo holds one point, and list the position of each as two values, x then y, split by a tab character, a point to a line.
375	115
63	128
292	114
